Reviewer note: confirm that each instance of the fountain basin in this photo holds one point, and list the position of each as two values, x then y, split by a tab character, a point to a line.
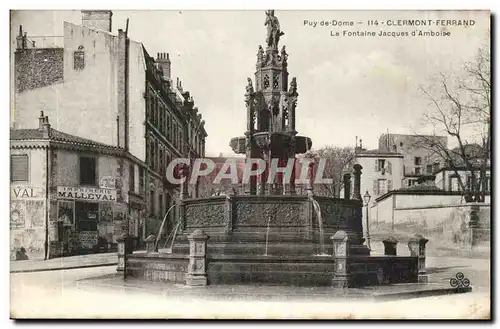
242	228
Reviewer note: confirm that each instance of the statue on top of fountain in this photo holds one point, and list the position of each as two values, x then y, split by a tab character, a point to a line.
273	29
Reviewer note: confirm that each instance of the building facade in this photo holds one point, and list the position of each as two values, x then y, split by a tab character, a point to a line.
448	179
418	160
382	171
96	76
70	195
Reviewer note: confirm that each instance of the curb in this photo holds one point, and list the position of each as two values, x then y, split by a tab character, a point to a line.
64	268
429	292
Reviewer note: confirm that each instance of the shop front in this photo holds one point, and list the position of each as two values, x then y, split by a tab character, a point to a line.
88	220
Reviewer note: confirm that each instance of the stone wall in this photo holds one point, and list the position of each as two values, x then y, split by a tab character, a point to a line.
38	67
442	219
155	267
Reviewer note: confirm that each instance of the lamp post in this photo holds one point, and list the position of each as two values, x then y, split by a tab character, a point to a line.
367	198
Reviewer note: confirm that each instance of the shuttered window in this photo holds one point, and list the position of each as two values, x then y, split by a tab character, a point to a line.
131	181
87	171
19	168
389	167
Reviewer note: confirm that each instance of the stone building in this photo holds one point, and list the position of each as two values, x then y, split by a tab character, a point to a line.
69	195
418	160
382	171
105	87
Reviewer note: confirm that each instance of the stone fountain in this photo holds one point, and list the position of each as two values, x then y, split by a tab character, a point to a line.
270	234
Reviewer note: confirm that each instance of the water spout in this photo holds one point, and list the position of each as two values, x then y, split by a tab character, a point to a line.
158	236
317	210
267	233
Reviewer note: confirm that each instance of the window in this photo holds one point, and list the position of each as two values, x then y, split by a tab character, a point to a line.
88	171
79	59
162	161
169	128
266	81
381	186
152	202
418	161
155	156
19	168
401	144
160	205
151	108
379	165
429	169
150	153
131	181
411	182
417	171
141	181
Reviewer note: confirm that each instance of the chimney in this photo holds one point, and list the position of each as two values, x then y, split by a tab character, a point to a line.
41	120
20	39
163	59
44	125
97	19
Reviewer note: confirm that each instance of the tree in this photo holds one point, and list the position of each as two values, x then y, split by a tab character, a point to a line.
460	108
338	161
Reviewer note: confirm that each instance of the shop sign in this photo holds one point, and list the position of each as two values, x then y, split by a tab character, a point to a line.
107	182
86	193
18	192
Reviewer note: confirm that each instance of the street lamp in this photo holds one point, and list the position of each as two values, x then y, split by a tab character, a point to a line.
367	198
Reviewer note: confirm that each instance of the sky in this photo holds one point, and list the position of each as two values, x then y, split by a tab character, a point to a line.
348	86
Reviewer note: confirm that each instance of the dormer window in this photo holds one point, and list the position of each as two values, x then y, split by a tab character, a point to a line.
79	59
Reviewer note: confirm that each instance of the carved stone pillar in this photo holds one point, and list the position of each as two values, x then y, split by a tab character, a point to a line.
309	183
125	248
251	186
390	246
347	186
197	268
417	249
357	182
150	243
291	112
341	241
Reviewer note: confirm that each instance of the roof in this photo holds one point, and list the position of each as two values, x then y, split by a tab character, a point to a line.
422	187
56	136
378	153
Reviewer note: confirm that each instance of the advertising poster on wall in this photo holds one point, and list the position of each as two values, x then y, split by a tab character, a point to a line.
35	210
105	212
17	214
66	213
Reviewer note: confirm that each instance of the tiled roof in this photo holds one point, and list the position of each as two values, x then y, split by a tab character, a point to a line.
57	136
421	188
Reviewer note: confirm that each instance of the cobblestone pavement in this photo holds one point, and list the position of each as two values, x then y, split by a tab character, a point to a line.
100	292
